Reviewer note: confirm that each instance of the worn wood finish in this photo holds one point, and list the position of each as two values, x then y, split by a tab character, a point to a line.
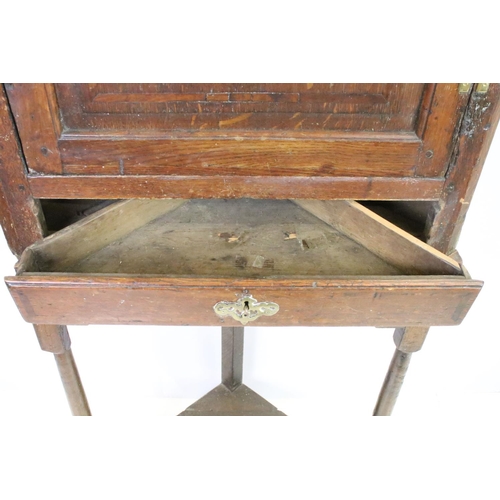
476	133
53	338
381	237
20	215
238	106
72	244
216	131
440	129
251	155
149	186
222	402
235	238
303	302
232	357
72	384
303	141
392	383
207	251
23	223
27	262
478	127
37	126
407	340
211	238
410	339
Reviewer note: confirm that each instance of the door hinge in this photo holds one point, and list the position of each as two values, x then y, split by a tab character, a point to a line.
481	88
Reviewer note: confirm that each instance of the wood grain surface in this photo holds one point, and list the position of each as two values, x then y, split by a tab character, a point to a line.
381	237
410	339
441	128
53	338
255	154
72	244
477	131
150	186
20	214
214	130
262	106
37	126
237	238
82	300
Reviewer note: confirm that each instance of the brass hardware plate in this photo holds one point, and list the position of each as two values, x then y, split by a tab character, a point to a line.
482	88
245	309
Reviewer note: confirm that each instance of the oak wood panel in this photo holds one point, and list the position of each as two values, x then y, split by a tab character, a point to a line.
388	107
150	186
20	215
441	128
425	108
96	127
52	299
32	109
245	156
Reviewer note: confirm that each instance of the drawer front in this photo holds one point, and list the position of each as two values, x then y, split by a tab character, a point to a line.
202	132
174	301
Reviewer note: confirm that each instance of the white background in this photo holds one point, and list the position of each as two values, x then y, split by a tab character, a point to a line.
140	370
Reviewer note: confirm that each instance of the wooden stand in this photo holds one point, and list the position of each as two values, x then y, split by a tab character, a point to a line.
232	397
239	206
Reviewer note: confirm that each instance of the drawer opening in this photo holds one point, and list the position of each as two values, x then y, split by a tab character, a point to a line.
59	214
236	238
410	215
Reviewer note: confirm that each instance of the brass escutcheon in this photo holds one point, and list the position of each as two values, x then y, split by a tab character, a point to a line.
245	309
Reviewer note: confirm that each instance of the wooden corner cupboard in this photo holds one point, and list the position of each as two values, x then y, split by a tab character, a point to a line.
241	204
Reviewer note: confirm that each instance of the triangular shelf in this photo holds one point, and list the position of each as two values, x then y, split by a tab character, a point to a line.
223	402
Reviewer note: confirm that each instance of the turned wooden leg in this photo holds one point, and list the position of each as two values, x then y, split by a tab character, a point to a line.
55	339
407	340
232	357
392	383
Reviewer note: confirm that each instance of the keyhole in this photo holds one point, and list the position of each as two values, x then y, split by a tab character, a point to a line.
246	308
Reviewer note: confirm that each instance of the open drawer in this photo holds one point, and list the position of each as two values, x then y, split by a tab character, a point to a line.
231	262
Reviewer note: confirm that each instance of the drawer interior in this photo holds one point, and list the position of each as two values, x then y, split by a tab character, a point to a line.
242	238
